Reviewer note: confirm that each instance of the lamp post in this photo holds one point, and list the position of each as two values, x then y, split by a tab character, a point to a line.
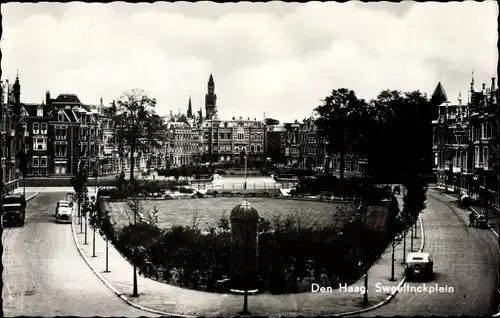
94	228
245	185
85	213
135	292
365	213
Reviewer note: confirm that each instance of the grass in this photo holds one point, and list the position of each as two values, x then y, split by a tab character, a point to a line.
209	211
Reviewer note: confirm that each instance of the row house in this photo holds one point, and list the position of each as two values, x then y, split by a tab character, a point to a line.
10	119
275	147
183	146
291	144
59	134
465	142
227	141
302	144
312	145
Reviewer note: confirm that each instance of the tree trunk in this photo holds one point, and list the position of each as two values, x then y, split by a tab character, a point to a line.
132	164
342	163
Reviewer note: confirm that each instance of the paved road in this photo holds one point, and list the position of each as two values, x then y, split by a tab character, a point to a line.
44	275
465	258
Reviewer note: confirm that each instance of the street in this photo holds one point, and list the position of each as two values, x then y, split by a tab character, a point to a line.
44	275
464	258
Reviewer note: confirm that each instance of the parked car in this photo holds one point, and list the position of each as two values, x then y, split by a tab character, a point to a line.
419	265
14	209
64	211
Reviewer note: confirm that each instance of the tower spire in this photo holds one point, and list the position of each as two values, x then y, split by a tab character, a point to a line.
190	110
472	82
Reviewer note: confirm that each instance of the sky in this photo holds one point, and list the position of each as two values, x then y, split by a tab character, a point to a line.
278	59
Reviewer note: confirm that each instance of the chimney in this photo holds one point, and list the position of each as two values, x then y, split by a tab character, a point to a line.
484	87
47	97
101	101
492	84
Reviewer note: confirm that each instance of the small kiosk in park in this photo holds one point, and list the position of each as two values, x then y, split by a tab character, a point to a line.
244	246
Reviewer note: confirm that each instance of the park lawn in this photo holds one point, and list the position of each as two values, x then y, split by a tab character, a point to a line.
209	211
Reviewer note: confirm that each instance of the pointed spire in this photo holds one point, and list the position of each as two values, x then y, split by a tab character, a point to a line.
439	95
211	79
17	74
190	110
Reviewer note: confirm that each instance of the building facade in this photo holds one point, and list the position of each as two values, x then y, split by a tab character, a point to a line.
226	141
59	134
10	132
466	143
275	151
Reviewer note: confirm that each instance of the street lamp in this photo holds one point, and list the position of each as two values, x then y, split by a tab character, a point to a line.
85	212
135	293
245	187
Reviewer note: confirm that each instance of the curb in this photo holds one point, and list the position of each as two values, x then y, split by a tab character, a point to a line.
394	293
126	300
113	289
489	226
470	209
32	196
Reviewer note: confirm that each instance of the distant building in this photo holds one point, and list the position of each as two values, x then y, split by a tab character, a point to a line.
226	141
183	143
291	144
11	132
210	100
465	136
275	149
312	145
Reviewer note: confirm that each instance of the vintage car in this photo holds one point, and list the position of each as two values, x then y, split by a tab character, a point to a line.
64	211
14	209
419	265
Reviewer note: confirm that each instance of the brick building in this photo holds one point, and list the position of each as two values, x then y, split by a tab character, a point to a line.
465	142
11	132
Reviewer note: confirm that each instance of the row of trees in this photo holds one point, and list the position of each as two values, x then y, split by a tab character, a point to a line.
393	131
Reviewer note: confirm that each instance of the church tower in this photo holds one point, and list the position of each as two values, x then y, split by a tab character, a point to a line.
17	96
210	99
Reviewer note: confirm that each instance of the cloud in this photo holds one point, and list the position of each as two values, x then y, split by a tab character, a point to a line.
277	58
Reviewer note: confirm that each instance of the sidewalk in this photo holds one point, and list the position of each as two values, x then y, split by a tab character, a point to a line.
167	299
493	212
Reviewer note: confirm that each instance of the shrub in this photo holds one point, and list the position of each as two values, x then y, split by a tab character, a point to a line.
186	190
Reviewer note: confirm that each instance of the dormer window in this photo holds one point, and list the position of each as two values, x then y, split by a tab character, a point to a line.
39	112
60	117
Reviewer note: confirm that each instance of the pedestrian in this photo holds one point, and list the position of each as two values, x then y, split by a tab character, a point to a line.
472	219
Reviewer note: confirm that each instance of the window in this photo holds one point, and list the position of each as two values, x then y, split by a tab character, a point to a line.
60	117
26	147
25	128
35	162
44	129
39	144
215	147
39	112
36	128
43	161
485	156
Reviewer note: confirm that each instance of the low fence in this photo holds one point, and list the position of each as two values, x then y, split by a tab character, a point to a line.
10	186
241	186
